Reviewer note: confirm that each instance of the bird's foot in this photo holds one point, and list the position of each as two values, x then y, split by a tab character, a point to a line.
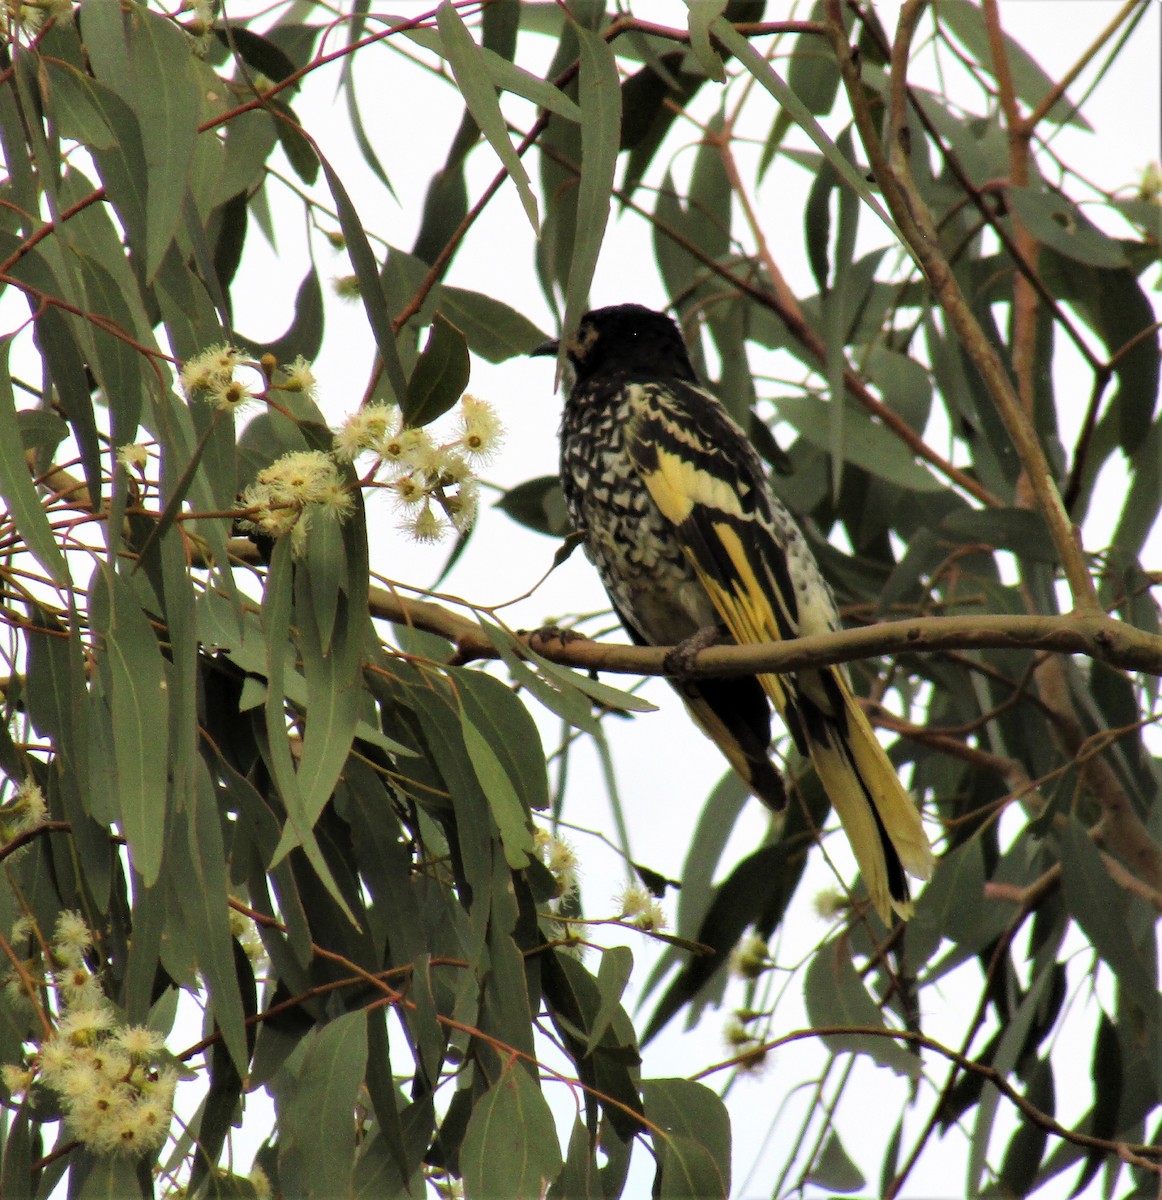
679	662
542	638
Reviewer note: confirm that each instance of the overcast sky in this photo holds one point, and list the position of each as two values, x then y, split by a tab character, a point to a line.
665	768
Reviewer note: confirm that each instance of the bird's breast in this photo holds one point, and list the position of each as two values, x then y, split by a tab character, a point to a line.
633	546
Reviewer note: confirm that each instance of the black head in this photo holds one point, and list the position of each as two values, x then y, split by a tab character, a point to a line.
627	338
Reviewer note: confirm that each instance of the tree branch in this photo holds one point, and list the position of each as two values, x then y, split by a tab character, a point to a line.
1098	636
1125	1151
907	207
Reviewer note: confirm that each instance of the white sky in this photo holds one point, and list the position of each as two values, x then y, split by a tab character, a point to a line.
665	768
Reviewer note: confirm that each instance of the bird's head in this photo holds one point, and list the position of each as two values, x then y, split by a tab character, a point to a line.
624	338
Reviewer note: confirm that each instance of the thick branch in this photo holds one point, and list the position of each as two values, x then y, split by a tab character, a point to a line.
1099	636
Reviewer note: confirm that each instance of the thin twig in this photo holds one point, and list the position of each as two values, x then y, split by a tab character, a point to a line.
1130	1152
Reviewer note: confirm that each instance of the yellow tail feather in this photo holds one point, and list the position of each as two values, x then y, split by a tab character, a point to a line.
849	776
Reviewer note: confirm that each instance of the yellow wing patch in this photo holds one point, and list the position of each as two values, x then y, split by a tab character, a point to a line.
677	485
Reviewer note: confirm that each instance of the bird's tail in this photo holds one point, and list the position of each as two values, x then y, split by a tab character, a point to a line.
734	714
878	815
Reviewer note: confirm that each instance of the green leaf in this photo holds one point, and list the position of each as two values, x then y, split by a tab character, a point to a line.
833	1168
842	299
651	100
304	335
511	816
72	102
539	505
510	730
947	909
817	219
440	376
1012	1042
505	75
701	16
16	485
494	330
111	1177
123	373
1140	507
1021	530
299	148
276	618
1116	307
510	1147
686	1168
612	977
694	1147
611	697
766	75
331	598
135	679
315	1094
579	1178
1032	83
1097	904
558	697
1026	1148
836	995
254	50
145	58
207	888
904	384
870	446
65	361
25	193
370	288
467	61
811	74
1058	222
40	430
573	1001
599	88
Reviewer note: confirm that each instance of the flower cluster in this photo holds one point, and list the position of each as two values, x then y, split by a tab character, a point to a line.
561	859
245	933
743	1039
751	958
23	811
133	455
298	377
284	496
432	481
640	909
112	1081
31	16
199	28
211	375
830	904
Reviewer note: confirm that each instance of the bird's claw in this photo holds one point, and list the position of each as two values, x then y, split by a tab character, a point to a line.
547	634
679	661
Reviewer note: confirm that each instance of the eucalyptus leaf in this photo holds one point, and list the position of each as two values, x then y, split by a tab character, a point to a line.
836	995
510	1147
467	61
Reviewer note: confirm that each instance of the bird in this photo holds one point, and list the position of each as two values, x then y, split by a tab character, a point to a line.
692	546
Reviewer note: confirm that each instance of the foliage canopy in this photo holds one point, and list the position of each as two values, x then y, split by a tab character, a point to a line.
241	777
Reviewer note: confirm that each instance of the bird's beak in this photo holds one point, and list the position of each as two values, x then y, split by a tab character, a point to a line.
546	349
